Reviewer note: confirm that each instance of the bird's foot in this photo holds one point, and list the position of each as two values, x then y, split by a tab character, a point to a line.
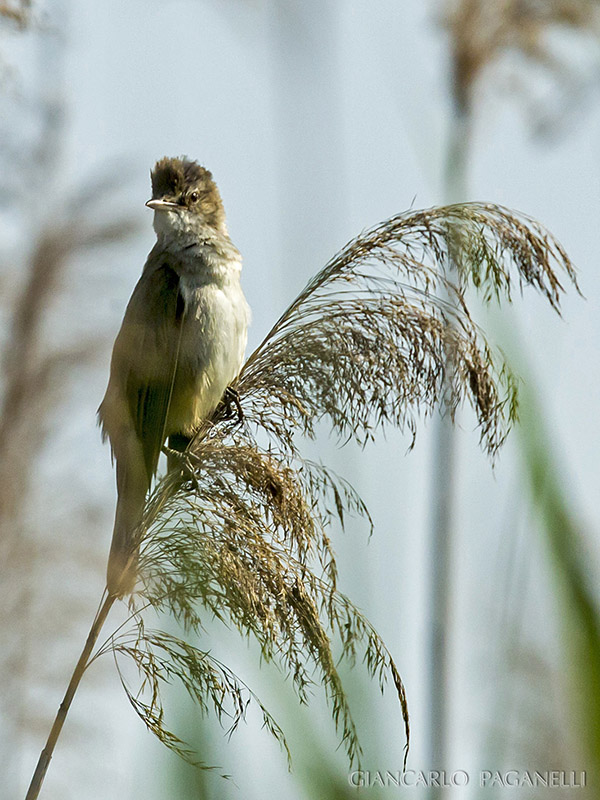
231	406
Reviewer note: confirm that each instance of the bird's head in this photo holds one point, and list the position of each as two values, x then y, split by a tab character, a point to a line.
185	199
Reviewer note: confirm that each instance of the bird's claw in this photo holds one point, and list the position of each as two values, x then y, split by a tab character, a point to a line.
231	398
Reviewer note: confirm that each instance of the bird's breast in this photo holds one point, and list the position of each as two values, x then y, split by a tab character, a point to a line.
213	341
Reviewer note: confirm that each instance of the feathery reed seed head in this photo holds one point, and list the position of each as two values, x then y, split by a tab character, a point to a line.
379	337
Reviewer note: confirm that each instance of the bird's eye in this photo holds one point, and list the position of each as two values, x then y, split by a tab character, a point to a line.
194	197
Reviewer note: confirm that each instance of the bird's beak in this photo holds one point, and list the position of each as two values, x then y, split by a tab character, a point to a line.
161	205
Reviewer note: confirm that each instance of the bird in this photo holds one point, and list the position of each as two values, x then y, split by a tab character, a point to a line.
181	344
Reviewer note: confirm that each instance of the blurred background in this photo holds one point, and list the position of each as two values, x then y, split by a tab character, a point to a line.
317	119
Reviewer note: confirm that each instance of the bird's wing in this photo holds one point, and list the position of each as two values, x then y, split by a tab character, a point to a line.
145	357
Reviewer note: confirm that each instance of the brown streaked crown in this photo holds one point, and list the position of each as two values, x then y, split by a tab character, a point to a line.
190	185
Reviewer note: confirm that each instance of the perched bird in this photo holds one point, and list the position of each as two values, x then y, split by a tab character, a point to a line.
181	343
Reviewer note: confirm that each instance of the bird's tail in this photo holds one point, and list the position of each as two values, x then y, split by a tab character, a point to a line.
132	486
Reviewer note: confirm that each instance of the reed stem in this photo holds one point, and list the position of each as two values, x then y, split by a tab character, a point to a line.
63	710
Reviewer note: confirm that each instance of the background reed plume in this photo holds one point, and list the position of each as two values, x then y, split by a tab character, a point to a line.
482	32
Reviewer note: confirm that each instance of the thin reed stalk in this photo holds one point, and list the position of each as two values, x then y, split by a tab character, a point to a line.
61	715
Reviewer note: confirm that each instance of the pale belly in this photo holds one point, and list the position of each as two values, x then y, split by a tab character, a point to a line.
211	354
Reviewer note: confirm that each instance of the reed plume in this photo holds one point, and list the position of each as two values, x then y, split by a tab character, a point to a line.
242	535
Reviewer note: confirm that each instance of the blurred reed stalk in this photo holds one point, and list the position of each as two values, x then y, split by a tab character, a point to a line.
481	33
444	467
58	227
568	550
